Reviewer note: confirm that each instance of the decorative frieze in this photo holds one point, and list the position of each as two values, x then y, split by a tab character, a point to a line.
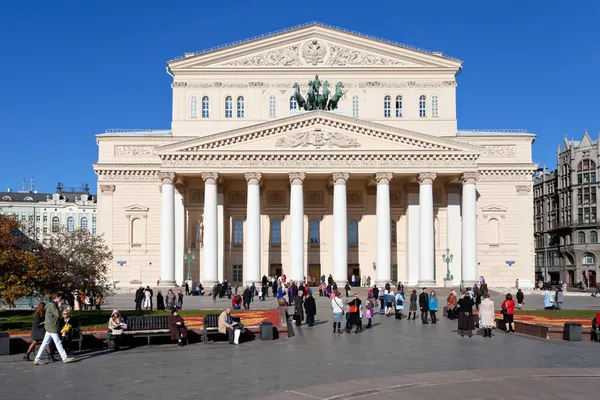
523	189
499	151
135	151
318	139
196	196
505	175
406	85
314	198
276	198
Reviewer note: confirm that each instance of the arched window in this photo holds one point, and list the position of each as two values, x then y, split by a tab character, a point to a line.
238	232
434	106
398	106
593	237
355	106
240	107
581	238
193	107
228	107
387	106
586	165
84	224
494	232
55	224
272	107
205	107
353	231
315	237
588	259
275	231
293	103
70	224
393	232
137	234
422	106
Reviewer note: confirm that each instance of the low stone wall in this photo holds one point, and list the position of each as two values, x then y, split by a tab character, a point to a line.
541	331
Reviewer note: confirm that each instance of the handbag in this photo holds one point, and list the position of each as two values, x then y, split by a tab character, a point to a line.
353	309
503	311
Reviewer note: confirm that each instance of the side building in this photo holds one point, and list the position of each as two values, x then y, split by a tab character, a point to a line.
565	215
40	214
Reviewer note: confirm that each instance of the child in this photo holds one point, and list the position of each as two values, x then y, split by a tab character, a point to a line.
369	312
320	290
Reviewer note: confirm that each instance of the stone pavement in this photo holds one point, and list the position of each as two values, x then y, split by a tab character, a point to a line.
314	357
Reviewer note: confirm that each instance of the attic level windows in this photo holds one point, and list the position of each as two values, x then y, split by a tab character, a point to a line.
272	107
398	106
240	107
228	107
205	107
422	106
387	107
293	103
355	105
434	106
193	107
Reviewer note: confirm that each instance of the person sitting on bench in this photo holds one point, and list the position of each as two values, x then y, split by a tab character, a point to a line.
115	328
230	326
177	327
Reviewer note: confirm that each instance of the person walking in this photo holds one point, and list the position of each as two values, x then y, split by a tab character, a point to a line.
375	292
38	332
52	326
597	290
548	301
337	307
486	315
187	289
433	306
369	313
253	290
180	299
559	297
347	289
354	311
465	315
311	309
508	310
451	304
424	305
412	309
139	298
298	309
520	299
246	298
399	301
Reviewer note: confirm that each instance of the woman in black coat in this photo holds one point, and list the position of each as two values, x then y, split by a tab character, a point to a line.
160	301
298	309
38	332
354	313
311	309
465	315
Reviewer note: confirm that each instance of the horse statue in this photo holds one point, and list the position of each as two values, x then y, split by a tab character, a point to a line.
298	96
322	100
311	97
333	102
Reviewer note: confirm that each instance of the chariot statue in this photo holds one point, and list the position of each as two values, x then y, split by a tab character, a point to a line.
316	100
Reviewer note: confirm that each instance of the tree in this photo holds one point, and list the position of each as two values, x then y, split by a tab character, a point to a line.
21	269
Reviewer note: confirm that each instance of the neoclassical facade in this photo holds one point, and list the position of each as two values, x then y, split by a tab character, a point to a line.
247	183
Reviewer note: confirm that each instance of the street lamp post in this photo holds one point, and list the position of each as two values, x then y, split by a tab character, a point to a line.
189	258
447	258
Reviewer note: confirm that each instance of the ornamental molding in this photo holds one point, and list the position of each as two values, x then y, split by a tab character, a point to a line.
315	52
427	178
324	160
296	178
167	178
340	178
383	177
406	85
303	87
253	178
128	173
107	189
469	177
196	196
523	188
135	151
318	139
314	198
276	198
499	151
210	177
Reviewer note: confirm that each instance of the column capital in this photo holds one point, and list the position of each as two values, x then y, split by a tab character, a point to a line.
210	178
469	177
167	178
453	188
297	178
384	178
253	178
340	178
427	178
107	189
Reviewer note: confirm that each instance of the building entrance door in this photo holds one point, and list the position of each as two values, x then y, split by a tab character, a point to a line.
314	271
275	270
554	278
354	269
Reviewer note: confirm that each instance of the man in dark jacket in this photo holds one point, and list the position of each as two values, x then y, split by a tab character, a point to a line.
347	289
311	309
375	293
252	291
139	297
247	298
424	305
52	326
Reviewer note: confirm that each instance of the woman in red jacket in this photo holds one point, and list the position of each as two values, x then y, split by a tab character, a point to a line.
508	309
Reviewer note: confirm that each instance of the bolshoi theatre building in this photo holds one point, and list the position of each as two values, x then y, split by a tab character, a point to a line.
316	150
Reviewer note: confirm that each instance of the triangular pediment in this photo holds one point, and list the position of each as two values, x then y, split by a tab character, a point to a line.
494	208
136	208
319	131
313	46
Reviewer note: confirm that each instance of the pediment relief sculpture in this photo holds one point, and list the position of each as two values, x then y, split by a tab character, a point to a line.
318	139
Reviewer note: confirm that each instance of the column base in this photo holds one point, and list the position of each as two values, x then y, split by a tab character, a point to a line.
449	284
167	283
426	284
208	285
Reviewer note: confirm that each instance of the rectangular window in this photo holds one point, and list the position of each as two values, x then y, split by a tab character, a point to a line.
394	233
276	232
586	215
579	196
238	272
593	177
586	195
593	197
580	215
37	218
579	179
593	214
586	178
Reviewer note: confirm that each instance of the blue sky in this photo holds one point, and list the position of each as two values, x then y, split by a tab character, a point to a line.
71	69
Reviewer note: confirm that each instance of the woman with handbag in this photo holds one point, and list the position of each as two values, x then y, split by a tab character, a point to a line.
298	308
337	306
465	315
354	311
508	310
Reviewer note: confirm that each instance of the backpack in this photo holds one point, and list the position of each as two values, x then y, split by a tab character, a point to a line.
399	302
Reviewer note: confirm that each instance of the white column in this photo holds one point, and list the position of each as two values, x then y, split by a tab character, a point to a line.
383	257
469	228
180	267
340	228
253	229
167	230
426	249
297	226
221	238
524	268
211	230
454	230
412	235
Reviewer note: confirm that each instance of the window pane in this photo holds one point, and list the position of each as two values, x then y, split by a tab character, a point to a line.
398	106
228	107
387	105
272	107
70	224
238	273
193	107
353	231
393	233
276	232
238	232
314	232
422	106
84	223
355	106
240	107
205	107
434	106
293	103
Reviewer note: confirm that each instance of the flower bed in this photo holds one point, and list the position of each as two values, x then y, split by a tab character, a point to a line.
549	321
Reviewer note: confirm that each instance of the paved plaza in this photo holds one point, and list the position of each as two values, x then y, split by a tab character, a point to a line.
377	359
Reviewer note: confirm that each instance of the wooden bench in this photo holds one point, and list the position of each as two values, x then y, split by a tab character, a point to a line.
147	326
77	336
210	326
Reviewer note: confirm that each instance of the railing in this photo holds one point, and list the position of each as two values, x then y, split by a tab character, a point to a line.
303	26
